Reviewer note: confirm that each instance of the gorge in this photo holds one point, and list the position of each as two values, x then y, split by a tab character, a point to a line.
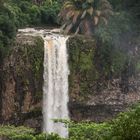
69	70
95	94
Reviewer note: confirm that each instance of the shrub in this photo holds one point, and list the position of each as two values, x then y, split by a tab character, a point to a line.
49	13
89	131
127	125
7	29
12	131
16	14
35	15
23	137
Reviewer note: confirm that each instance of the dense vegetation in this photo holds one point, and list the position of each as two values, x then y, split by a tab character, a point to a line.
15	14
121	22
125	127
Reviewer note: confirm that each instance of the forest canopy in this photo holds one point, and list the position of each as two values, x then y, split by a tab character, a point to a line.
16	14
113	25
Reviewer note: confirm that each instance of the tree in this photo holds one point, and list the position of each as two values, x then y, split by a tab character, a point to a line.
40	2
81	16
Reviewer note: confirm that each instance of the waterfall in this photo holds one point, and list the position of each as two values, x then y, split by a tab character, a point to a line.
55	88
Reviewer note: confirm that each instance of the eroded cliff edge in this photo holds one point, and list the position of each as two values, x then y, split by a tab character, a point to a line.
103	81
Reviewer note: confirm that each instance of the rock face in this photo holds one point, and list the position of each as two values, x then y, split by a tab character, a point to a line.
21	81
102	81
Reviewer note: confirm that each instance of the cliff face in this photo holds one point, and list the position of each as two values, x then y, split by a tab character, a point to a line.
102	82
21	80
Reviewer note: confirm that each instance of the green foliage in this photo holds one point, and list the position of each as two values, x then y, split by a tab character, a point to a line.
81	16
54	137
125	127
138	66
49	13
23	137
31	53
86	61
12	131
35	14
112	60
24	133
125	20
110	43
89	131
41	137
127	5
36	57
7	28
119	24
15	14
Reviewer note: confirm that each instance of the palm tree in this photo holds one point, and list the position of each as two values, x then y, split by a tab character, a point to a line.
81	16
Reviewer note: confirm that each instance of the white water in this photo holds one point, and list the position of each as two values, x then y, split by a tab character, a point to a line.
55	88
55	85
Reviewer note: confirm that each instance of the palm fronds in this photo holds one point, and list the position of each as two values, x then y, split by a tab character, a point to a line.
78	15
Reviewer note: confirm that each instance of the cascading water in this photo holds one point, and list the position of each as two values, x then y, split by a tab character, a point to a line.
55	85
55	88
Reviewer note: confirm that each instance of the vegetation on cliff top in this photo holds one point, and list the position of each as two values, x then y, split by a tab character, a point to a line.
78	16
16	14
